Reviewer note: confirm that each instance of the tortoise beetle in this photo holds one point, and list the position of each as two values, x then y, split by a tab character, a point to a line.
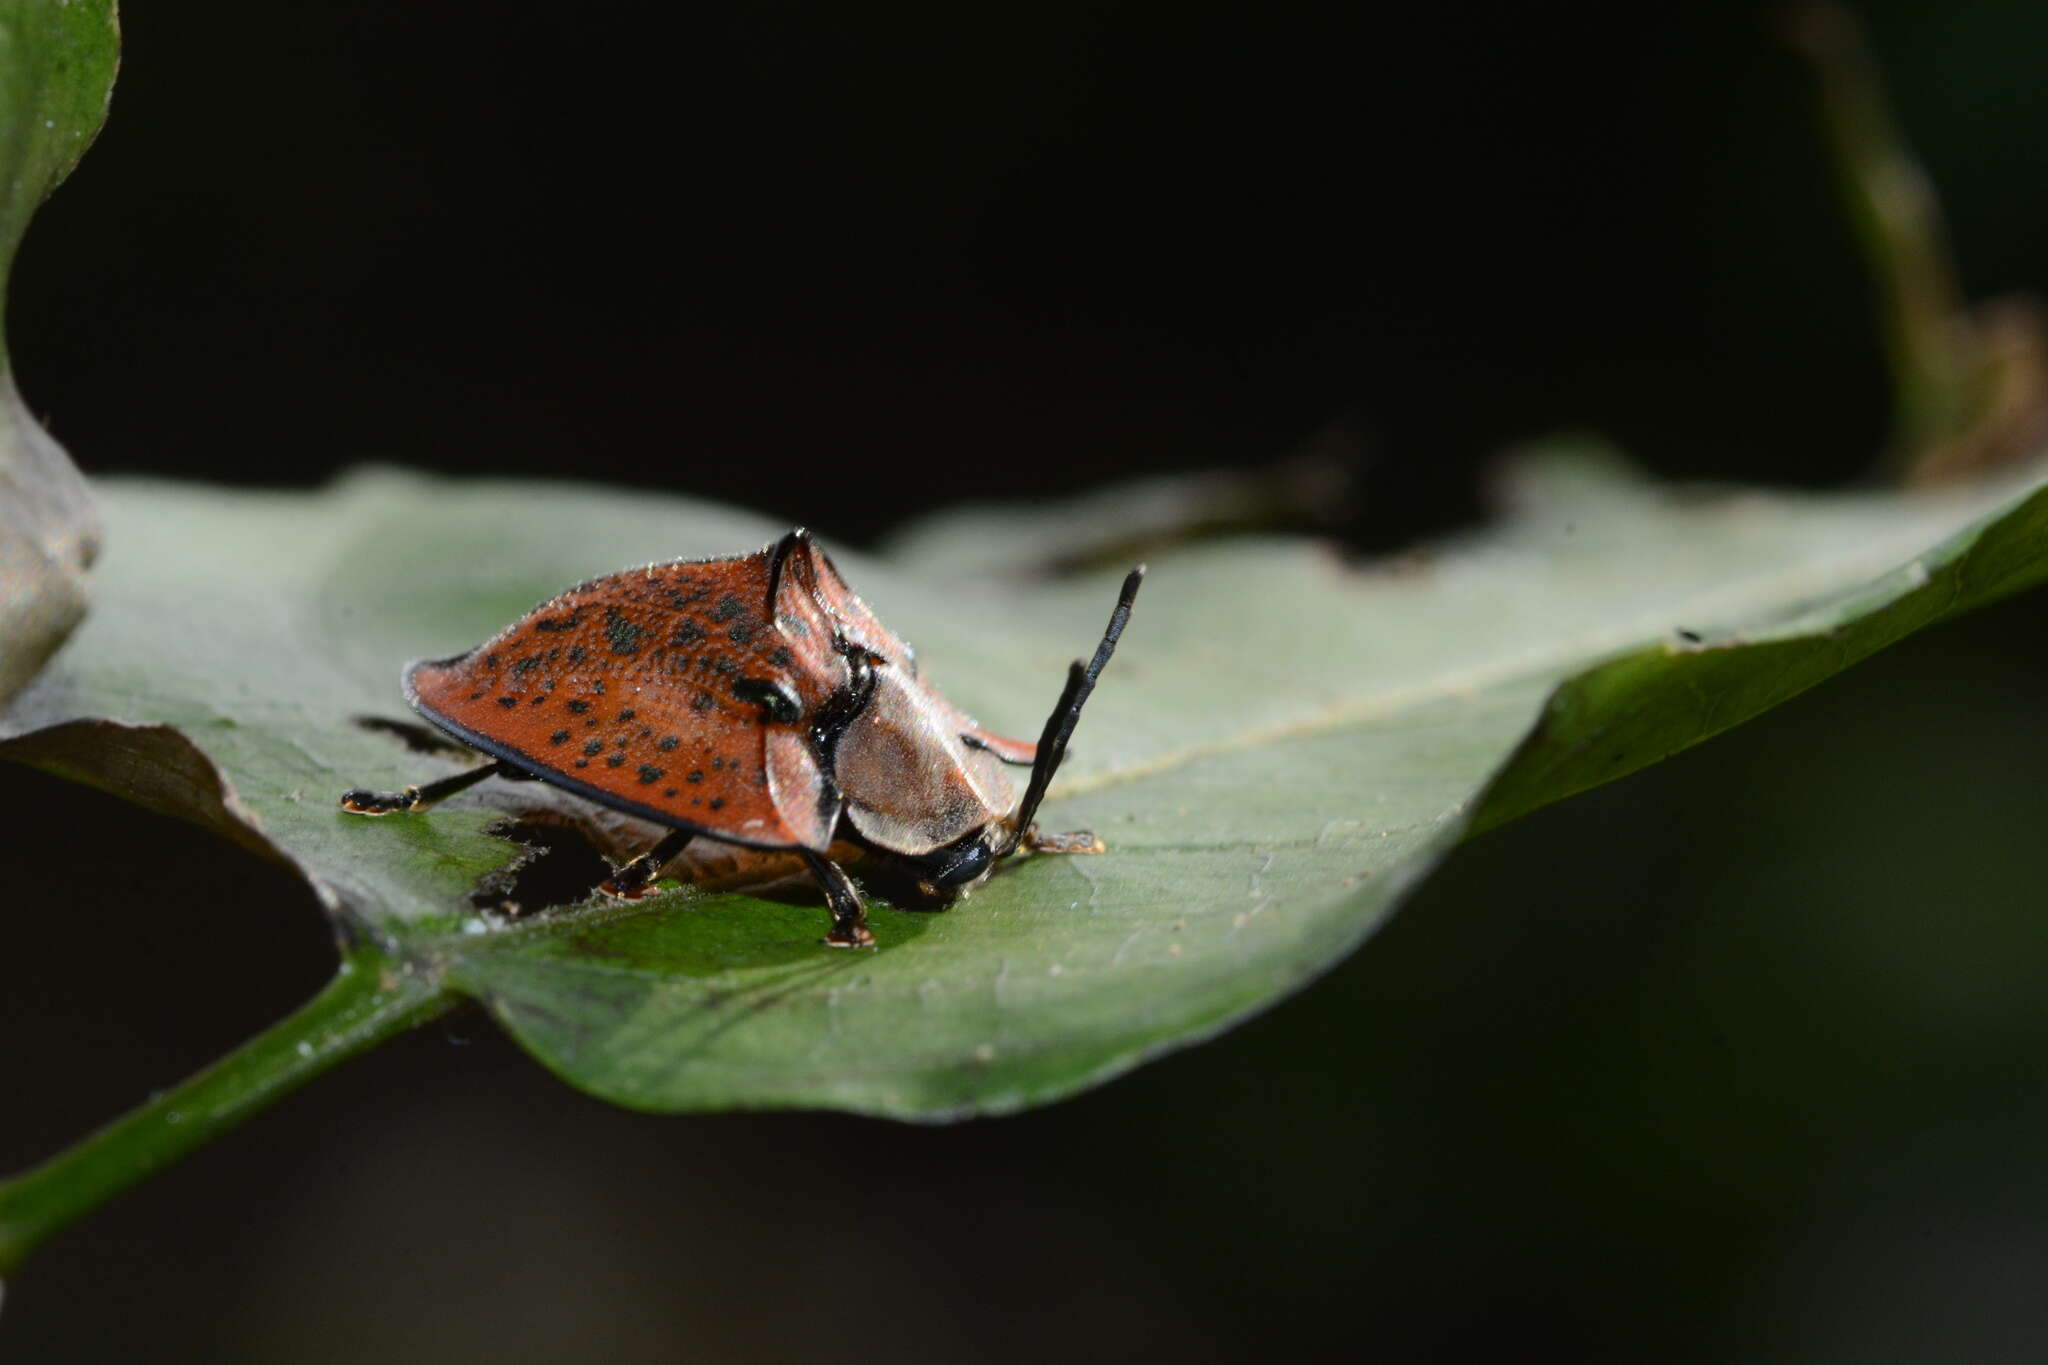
754	700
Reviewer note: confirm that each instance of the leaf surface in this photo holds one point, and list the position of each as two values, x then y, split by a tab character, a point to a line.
1284	745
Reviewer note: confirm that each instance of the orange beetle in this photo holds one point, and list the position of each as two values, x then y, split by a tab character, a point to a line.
758	701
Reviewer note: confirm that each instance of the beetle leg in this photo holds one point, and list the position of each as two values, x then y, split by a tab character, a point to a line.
1074	841
849	916
362	802
632	881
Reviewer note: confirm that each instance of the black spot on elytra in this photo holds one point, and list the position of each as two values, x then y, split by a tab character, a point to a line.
598	687
577	654
627	713
477	695
668	791
593	747
523	668
718	803
772	697
728	607
624	635
615	761
740	632
717	763
667	742
688	633
650	774
569	622
559	737
508	702
702	702
781	658
491	659
582	762
696	775
579	708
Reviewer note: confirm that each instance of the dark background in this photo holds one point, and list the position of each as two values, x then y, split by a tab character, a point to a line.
1738	1059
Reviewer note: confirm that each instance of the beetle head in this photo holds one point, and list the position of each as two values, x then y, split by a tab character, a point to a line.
934	880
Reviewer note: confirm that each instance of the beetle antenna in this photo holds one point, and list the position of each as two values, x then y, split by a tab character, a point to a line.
1059	726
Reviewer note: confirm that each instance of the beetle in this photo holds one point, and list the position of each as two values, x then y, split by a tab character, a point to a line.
754	700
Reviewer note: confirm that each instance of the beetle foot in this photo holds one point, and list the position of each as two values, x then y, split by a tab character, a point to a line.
625	888
850	936
1074	841
362	802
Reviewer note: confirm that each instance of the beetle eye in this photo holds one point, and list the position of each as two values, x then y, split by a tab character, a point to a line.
772	697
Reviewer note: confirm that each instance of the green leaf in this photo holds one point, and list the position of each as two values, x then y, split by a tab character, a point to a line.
56	74
1284	746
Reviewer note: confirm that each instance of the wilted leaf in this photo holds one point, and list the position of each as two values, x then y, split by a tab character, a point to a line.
56	73
1284	746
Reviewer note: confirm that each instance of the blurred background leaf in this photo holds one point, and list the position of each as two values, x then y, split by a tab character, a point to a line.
56	75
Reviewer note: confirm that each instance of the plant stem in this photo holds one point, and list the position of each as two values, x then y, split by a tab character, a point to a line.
369	1000
1969	386
1897	219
